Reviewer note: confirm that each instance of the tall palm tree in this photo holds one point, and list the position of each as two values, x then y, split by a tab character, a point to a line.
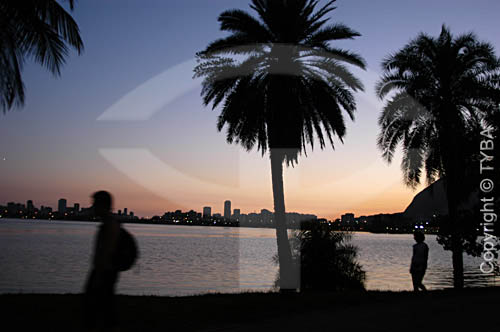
40	30
280	84
442	92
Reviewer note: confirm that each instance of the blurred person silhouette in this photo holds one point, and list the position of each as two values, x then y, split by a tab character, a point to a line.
419	261
99	298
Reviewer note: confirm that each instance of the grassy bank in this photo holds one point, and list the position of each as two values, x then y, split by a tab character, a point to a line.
367	311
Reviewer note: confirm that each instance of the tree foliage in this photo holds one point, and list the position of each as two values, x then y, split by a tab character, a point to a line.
38	30
277	79
326	259
443	89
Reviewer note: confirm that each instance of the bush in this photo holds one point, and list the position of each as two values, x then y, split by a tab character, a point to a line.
327	259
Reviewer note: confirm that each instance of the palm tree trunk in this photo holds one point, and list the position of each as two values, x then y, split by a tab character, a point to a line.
449	127
288	275
458	261
456	236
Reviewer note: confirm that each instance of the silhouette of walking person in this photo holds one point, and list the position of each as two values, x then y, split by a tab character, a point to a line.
419	261
99	299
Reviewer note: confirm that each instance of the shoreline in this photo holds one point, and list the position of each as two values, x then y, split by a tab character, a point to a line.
356	311
194	225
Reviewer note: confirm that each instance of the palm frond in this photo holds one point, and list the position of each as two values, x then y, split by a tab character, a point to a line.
62	23
45	47
330	67
11	83
38	29
240	22
329	33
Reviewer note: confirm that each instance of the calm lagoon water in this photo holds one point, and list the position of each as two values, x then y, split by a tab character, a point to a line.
54	257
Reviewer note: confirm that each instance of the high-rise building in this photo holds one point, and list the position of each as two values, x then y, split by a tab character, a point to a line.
61	206
125	211
207	212
29	206
236	214
227	209
76	208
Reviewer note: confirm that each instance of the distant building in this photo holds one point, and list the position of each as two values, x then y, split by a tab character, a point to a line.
45	211
191	214
217	215
76	208
236	214
388	223
88	212
61	206
119	212
295	219
227	209
207	212
29	206
266	216
125	211
131	214
347	218
253	219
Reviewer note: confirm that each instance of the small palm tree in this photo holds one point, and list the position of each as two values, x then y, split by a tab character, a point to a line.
280	84
444	91
326	258
36	29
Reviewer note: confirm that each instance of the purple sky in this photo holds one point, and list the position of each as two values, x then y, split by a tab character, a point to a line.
55	146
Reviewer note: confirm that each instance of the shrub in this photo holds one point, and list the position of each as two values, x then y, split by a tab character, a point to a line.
325	258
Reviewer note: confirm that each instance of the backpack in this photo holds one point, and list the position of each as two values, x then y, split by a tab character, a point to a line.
126	252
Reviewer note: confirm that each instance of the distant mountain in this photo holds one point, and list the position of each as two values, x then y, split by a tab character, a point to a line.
432	201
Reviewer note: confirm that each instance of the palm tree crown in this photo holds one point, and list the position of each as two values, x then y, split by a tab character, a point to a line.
443	90
32	29
277	78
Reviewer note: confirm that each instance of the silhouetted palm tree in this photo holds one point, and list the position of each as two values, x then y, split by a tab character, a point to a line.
32	29
444	91
280	83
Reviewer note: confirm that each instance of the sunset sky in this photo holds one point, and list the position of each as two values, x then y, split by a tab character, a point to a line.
69	141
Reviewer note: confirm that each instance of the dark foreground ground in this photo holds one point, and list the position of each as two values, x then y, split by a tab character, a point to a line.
471	309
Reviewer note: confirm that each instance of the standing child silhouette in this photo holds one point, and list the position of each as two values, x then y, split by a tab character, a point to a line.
419	261
100	286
